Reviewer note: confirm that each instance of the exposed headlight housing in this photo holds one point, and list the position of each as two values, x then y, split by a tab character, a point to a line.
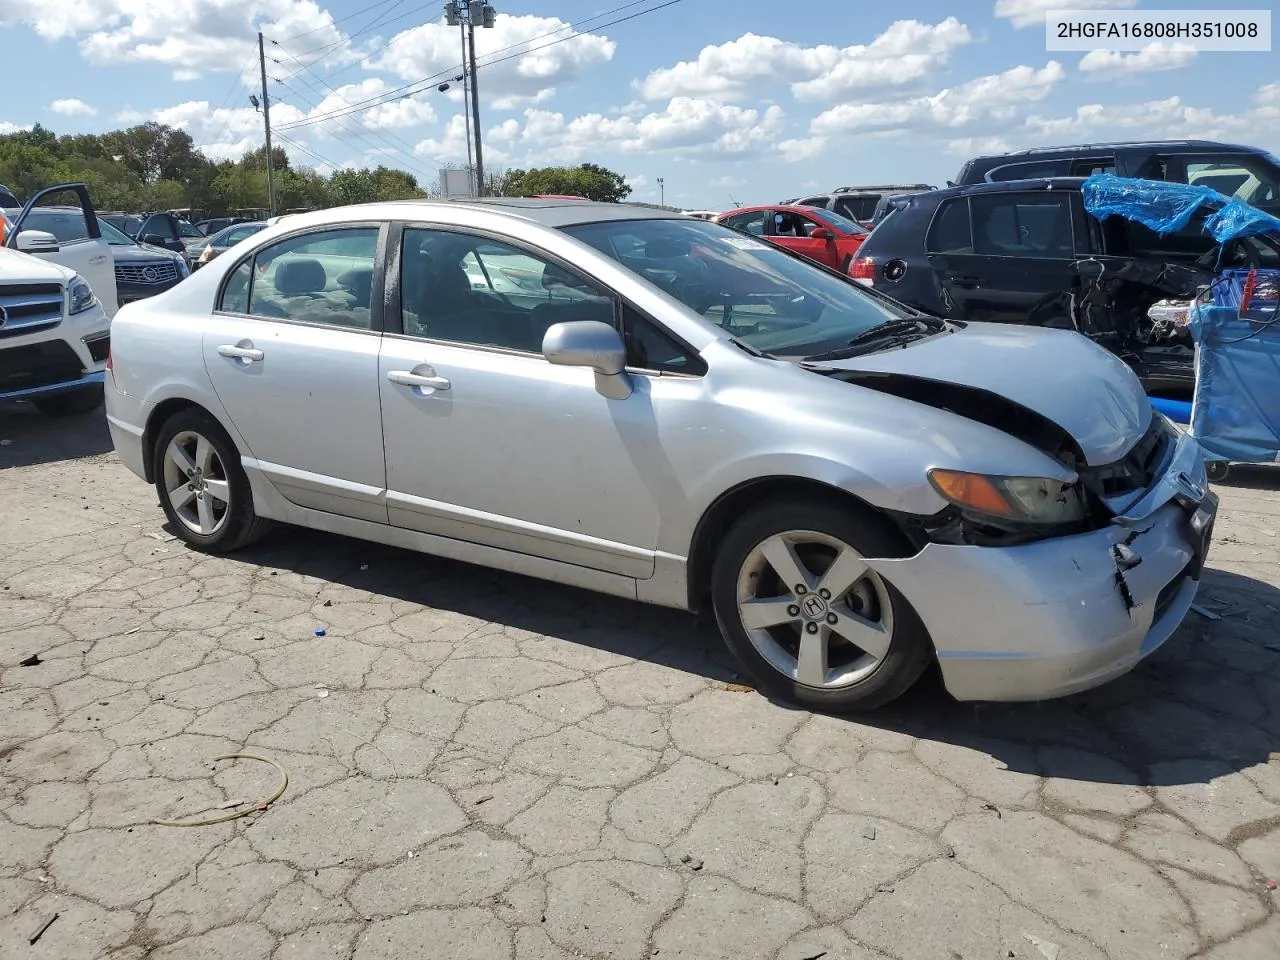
1018	500
79	296
183	269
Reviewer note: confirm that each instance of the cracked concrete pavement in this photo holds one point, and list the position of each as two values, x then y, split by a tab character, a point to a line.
484	766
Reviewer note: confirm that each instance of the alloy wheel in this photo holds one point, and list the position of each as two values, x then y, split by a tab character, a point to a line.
196	482
814	610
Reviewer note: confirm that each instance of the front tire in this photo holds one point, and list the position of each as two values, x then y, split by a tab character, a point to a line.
806	617
202	487
73	403
1217	470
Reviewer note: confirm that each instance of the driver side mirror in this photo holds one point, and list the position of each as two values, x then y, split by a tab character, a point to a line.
594	344
36	241
822	233
154	239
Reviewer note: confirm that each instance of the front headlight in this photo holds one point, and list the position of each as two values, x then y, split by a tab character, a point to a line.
183	269
1037	500
80	296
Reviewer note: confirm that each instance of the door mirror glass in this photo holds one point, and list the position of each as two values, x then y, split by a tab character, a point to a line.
821	233
36	241
594	344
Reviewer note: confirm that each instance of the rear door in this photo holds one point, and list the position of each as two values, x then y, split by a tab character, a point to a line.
78	240
1016	264
292	352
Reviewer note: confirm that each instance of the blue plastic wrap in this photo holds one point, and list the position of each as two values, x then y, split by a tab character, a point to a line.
1166	207
1236	412
1156	204
1179	411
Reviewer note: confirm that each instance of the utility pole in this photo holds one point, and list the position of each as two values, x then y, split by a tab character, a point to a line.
266	120
662	192
477	13
466	111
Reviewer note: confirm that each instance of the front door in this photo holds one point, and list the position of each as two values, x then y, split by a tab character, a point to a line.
1015	264
66	213
792	232
292	354
486	441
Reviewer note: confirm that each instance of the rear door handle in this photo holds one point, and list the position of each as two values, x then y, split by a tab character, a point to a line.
961	280
244	350
427	381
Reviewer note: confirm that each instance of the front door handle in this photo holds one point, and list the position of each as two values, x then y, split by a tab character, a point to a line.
967	282
243	351
427	381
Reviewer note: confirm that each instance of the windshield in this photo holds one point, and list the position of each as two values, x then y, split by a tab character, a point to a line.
188	231
67	226
843	224
763	296
129	225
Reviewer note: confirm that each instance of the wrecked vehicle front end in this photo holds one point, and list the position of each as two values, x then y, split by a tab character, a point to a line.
1024	610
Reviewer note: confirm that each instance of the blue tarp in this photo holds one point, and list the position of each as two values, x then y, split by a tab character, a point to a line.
1236	413
1167	207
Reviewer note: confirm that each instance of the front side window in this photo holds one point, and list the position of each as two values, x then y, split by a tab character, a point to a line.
762	295
1022	225
323	277
472	290
67	226
1250	177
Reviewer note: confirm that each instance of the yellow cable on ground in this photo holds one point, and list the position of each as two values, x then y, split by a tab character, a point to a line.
236	814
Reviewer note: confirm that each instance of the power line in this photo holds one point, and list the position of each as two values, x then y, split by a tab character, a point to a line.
396	93
333	23
414	163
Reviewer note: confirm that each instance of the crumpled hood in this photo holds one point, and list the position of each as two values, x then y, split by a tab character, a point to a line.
1064	377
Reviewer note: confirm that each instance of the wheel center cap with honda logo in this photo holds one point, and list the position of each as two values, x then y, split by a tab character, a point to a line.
813	607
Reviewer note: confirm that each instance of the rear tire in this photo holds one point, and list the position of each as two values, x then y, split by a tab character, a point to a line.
73	403
202	487
840	640
1217	470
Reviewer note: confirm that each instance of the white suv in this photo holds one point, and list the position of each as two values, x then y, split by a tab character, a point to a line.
54	328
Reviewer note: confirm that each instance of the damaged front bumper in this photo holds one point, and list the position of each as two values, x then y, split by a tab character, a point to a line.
1058	616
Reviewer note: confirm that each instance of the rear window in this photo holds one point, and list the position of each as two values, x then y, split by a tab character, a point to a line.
858	208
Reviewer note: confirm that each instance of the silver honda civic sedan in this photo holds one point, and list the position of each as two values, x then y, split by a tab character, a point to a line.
661	408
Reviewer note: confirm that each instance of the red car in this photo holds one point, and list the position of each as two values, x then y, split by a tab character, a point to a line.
823	236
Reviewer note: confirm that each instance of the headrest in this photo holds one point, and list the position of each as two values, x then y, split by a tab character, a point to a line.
294	277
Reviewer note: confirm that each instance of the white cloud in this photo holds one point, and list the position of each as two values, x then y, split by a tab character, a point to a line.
451	145
7	128
908	50
988	97
1110	64
190	36
806	148
1030	13
725	183
978	146
184	75
686	127
71	107
509	80
639	181
130	116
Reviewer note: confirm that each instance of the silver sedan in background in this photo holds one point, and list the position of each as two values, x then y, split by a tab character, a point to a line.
661	408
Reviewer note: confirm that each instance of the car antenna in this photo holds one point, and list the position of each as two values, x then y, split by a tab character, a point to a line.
733	199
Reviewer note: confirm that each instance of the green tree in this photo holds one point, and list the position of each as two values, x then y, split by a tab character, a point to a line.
585	180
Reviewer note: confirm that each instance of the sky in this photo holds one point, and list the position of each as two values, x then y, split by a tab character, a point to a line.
727	102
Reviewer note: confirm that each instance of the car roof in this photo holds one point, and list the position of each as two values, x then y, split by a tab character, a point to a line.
1125	144
548	213
1001	186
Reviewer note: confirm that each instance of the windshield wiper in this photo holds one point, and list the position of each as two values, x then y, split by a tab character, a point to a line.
889	333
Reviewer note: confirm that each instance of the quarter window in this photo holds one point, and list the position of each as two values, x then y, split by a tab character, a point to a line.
1022	225
324	277
950	231
752	223
472	290
651	348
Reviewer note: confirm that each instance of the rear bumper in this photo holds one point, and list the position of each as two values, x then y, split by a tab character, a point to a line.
1056	617
127	422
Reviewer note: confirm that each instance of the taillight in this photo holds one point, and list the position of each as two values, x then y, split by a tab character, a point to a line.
863	269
